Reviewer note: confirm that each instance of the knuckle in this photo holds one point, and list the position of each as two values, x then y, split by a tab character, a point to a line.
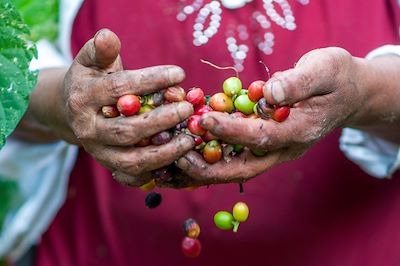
83	129
146	78
182	111
263	142
127	165
304	81
115	84
75	103
83	133
123	132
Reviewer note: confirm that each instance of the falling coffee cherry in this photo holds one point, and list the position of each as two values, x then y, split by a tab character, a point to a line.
191	247
153	199
191	228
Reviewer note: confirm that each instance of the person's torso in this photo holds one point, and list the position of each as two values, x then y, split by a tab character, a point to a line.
318	210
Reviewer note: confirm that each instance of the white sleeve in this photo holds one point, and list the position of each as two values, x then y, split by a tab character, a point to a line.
375	156
41	171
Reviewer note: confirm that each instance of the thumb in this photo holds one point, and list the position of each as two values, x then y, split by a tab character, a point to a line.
314	74
102	51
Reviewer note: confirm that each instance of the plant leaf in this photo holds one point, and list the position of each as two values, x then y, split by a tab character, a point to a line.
41	16
9	190
16	80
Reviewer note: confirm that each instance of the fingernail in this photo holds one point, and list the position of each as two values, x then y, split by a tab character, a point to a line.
182	163
185	109
176	74
276	90
187	142
208	122
98	33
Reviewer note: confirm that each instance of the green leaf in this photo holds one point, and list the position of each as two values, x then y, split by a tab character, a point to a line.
16	80
41	16
8	197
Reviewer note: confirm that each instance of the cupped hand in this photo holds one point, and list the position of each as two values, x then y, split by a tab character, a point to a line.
96	79
324	92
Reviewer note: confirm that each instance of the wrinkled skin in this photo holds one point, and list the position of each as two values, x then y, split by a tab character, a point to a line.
95	79
327	89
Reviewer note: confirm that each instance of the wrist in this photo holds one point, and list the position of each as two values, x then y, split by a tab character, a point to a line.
45	120
379	111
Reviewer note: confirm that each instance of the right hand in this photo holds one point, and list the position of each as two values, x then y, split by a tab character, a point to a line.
95	79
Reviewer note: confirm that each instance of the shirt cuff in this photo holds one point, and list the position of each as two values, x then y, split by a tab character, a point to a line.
377	157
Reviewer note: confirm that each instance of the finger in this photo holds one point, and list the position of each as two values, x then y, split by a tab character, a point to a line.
101	51
122	131
132	181
135	161
313	75
139	82
254	133
240	169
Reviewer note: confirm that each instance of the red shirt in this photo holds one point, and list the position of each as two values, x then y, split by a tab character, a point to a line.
318	210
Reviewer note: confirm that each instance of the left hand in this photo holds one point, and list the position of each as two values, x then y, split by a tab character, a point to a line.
324	91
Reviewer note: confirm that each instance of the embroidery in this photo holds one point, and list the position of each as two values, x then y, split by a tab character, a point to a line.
238	40
233	4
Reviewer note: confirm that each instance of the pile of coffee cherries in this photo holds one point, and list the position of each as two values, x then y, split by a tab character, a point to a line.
238	102
234	99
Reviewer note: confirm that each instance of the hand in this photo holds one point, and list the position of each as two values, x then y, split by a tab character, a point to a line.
324	91
95	79
192	171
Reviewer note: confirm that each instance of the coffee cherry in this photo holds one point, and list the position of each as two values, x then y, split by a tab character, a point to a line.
221	102
148	186
202	109
163	173
161	138
244	105
145	108
174	94
255	90
191	228
193	124
110	111
191	247
280	113
258	153
182	125
198	141
128	104
238	148
240	211
232	86
223	220
155	99
153	199
195	96
212	152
